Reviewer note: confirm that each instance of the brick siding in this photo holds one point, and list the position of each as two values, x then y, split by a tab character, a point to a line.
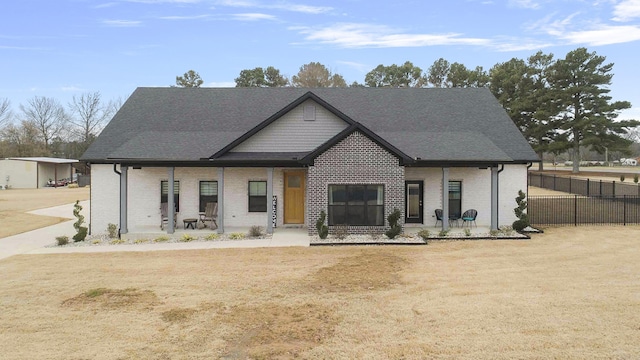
355	160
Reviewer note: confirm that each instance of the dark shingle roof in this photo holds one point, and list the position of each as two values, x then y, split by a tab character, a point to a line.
191	124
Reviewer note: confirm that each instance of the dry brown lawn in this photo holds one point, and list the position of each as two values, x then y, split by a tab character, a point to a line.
15	203
568	293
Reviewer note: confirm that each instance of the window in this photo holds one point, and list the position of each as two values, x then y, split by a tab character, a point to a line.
176	193
356	205
208	194
455	199
257	196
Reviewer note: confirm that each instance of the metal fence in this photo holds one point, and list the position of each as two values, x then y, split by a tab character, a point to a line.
584	187
582	210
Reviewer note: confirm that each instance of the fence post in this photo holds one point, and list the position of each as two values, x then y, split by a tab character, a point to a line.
575	210
624	210
614	188
600	188
588	187
570	181
554	182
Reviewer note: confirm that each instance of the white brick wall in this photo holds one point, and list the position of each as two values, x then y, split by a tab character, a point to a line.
105	198
512	179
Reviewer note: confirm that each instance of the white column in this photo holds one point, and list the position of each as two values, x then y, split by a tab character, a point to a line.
494	198
171	206
269	200
220	200
445	198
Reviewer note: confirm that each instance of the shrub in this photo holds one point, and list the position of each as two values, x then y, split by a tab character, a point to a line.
81	230
323	230
622	178
212	237
340	232
62	240
112	229
467	232
255	231
117	241
187	238
523	218
635	178
236	236
141	241
395	228
507	230
424	234
494	232
162	238
443	233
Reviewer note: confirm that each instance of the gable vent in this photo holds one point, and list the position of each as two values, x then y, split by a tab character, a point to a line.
309	113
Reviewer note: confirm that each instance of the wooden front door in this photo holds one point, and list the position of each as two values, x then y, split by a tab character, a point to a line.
294	189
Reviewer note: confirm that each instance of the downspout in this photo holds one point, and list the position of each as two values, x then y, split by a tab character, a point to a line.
528	167
498	193
120	206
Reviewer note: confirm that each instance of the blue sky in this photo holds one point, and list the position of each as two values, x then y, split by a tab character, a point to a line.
58	48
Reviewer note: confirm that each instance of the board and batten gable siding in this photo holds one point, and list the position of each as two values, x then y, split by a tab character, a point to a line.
291	133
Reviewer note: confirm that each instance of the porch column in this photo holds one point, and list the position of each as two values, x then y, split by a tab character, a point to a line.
220	200
445	198
269	200
123	199
171	206
494	198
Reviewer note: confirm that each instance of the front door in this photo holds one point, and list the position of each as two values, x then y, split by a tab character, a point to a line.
294	190
413	204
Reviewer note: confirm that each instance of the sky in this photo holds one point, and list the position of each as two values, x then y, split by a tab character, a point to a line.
62	48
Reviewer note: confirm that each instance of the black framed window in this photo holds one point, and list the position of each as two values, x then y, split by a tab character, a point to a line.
176	193
257	196
208	194
455	199
356	205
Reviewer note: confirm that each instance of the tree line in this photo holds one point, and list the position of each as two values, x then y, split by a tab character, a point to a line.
44	127
559	104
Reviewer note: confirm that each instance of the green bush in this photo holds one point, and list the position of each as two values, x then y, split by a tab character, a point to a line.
467	232
62	240
81	230
323	230
236	236
82	233
395	228
635	178
523	218
187	238
212	237
112	229
443	233
622	178
162	238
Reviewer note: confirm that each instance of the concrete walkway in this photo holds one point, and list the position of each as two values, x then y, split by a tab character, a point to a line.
34	242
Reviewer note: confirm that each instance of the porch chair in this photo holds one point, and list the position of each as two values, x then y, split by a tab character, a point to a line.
469	216
164	215
210	214
438	217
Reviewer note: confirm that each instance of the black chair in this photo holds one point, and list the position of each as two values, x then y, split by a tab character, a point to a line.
469	216
438	217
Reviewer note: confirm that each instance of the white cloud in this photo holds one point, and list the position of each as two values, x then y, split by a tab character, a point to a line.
353	35
526	4
308	9
122	23
164	1
192	17
626	10
603	35
253	17
105	5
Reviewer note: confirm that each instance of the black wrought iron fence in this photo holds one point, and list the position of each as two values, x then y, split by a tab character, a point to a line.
585	187
584	210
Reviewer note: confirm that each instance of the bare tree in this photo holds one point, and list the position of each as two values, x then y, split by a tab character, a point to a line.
46	115
23	140
5	112
88	116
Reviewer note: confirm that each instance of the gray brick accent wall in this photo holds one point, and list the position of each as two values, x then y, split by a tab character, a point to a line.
355	160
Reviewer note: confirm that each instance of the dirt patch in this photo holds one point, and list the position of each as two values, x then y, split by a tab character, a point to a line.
274	331
177	315
104	298
365	271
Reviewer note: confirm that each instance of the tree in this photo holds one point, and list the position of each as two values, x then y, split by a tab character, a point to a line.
522	89
190	79
579	87
88	115
5	112
437	73
314	75
259	77
22	140
405	75
458	75
46	115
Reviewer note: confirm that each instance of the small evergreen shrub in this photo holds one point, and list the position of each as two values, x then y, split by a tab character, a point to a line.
323	230
635	178
187	238
212	237
443	233
112	229
255	231
236	236
395	228
81	231
622	178
467	232
62	240
523	218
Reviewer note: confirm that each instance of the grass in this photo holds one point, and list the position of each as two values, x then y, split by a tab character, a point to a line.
15	203
567	293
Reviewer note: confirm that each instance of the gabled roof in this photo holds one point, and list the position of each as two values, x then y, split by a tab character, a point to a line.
195	124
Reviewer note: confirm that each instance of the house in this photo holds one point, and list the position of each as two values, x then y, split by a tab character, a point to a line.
34	172
277	157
